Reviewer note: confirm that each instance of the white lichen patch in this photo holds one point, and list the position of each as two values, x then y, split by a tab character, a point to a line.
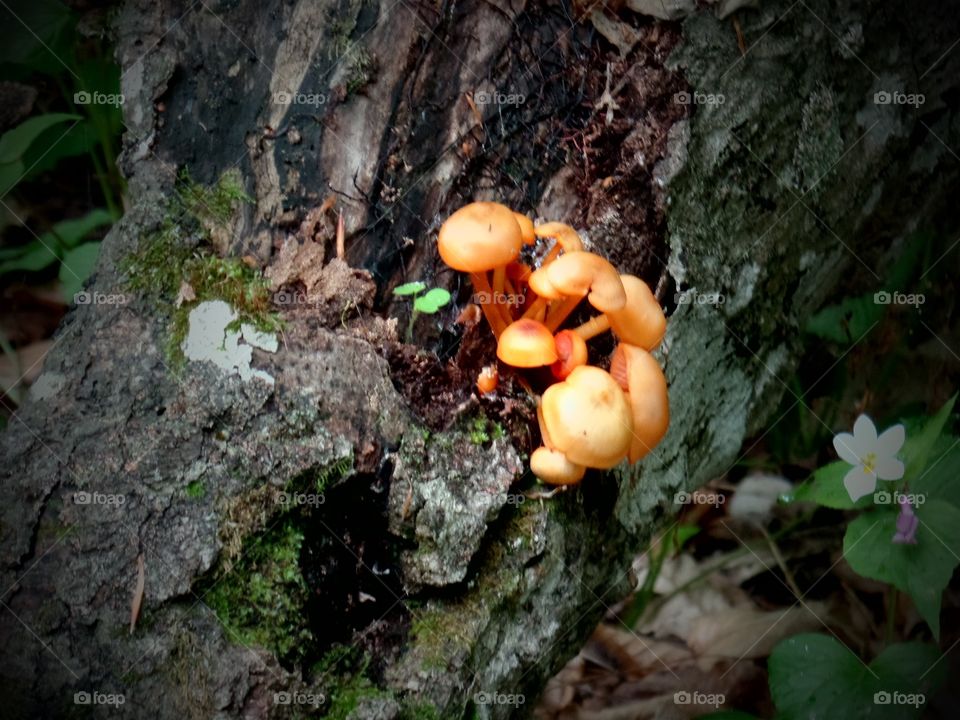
208	339
47	386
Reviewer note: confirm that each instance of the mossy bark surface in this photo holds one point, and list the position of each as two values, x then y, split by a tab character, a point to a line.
423	586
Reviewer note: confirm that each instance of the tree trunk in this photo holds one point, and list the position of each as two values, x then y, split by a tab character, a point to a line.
365	498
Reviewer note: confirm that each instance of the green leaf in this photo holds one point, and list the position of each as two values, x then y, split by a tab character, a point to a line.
70	232
848	321
410	288
33	258
814	676
922	570
825	487
77	266
940	479
55	143
10	174
918	446
15	143
432	301
45	47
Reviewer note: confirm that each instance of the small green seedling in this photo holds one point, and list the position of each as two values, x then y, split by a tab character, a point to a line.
426	304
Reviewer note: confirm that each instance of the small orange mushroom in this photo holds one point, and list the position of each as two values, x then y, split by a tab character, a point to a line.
567	240
477	238
587	419
571	277
488	379
526	228
640	322
527	343
638	373
571	353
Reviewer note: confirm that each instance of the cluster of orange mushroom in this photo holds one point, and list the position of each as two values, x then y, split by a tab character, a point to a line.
589	418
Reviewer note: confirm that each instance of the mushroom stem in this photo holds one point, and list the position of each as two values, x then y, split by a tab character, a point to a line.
535	308
482	285
560	312
499	281
593	327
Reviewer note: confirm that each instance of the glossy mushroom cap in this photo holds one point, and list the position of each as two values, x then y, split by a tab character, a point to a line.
526	228
553	467
527	343
641	321
479	237
567	238
577	273
588	418
638	373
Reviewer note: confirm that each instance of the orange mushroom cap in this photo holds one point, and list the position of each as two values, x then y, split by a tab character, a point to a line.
553	467
527	343
588	418
641	321
526	228
488	379
640	376
567	238
576	274
571	353
480	236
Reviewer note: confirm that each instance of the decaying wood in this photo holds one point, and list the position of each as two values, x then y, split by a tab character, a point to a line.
402	112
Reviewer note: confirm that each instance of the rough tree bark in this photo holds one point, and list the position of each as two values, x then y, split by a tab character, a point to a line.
796	182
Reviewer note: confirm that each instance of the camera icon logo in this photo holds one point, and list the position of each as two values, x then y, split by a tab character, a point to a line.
81	698
282	98
881	697
682	98
882	497
882	97
881	298
681	697
81	498
82	298
681	498
81	98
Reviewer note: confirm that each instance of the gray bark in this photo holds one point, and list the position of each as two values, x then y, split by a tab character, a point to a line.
796	184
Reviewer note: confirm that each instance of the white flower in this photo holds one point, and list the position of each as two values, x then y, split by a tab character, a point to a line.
872	457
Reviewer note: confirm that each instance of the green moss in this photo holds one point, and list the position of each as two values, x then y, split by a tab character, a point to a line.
483	431
262	600
410	710
362	69
196	490
333	472
181	252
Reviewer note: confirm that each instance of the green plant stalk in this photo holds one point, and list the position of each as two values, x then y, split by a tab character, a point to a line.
891	604
414	314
